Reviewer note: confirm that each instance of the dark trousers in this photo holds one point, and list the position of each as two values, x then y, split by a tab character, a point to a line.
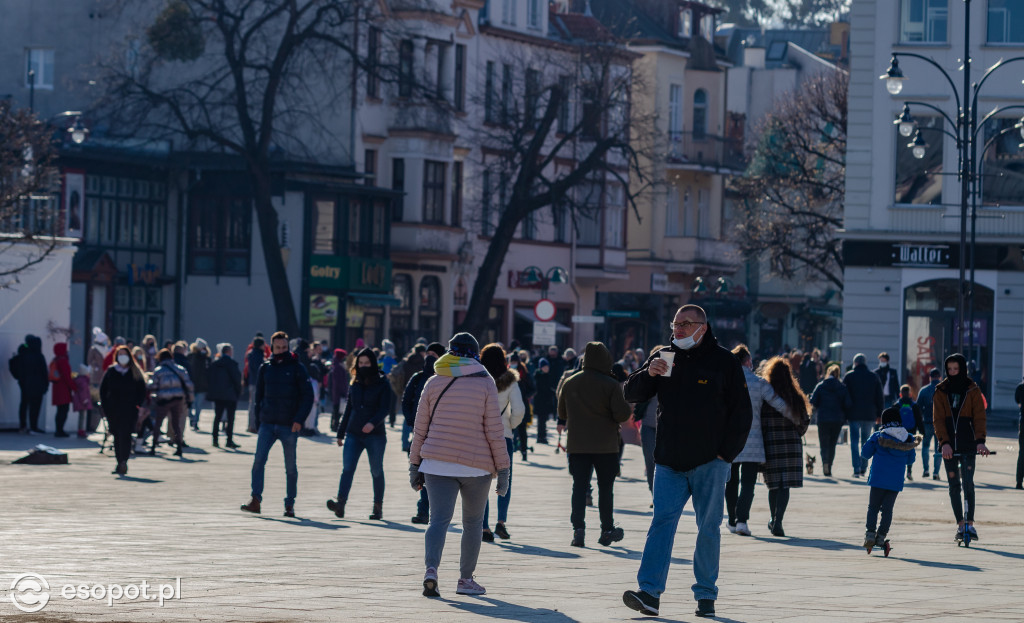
960	472
224	410
520	436
122	428
828	435
582	467
423	505
28	411
542	427
393	413
739	491
778	500
62	417
880	500
1020	453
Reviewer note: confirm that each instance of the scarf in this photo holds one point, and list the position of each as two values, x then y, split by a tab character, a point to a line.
454	366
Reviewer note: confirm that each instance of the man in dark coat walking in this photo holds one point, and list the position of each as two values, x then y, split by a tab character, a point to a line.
866	393
28	367
889	379
704	418
224	388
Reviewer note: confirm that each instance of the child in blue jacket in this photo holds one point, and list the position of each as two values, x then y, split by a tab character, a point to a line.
893	449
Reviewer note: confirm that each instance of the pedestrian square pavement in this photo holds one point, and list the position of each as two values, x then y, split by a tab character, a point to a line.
84	530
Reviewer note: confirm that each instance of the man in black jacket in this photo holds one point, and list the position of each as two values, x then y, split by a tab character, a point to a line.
544	402
28	367
866	393
704	418
283	399
410	400
889	379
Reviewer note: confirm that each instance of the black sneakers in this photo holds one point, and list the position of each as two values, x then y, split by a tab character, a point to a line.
611	536
577	537
705	608
501	532
643	602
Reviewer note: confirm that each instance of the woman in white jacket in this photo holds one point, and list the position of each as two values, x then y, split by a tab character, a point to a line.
510	400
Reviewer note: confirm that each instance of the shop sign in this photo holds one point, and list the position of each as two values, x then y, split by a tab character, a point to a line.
147	274
335	272
921	255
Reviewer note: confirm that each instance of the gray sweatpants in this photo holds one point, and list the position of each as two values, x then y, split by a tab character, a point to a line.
443	491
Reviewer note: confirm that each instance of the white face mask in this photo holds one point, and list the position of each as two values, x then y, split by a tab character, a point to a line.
123	359
686	343
883	364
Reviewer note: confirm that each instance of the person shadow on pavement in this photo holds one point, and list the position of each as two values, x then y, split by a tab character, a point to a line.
533	550
302	522
491	608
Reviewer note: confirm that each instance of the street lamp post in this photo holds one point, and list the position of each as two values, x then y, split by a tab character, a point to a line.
964	130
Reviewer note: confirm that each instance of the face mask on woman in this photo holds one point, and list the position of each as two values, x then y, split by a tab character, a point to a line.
123	359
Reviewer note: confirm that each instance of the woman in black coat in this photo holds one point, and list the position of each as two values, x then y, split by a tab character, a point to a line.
224	387
832	400
122	392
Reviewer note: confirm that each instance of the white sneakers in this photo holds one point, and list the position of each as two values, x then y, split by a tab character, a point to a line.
742	529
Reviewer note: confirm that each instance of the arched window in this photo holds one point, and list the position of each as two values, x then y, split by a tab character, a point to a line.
700	113
430	308
401	315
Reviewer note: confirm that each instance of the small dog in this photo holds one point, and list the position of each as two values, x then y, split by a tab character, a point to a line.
809	464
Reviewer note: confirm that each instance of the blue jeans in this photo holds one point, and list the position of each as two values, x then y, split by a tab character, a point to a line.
197	407
859	433
926	446
406	435
374	445
706	484
268	434
648	438
503	500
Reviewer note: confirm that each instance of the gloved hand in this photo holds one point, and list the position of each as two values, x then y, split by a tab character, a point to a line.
415	477
504	475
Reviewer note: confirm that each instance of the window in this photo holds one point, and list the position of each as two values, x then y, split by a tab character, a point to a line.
689	226
924	21
219	235
398	183
1003	161
675	111
591	113
355	226
530	107
919	181
506	92
405	77
533	13
529	229
434	58
1005	21
39	68
486	197
401	315
614	215
560	214
589	219
323	228
457	193
373	62
565	87
370	166
138	311
672	212
490	105
460	77
700	113
430	307
433	192
707	27
508	12
685	23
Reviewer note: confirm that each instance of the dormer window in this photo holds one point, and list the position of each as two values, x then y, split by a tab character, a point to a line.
685	23
707	27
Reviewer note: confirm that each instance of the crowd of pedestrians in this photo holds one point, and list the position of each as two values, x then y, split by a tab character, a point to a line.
710	422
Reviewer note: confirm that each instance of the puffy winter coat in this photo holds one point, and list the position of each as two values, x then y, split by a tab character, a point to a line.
965	431
60	376
832	400
199	363
466	427
761	393
510	399
170	382
121	395
592	406
544	401
284	395
891	457
367	403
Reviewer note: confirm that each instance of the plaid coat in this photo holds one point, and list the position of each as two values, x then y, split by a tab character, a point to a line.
783	450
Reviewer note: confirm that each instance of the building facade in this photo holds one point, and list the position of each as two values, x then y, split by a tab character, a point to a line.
902	240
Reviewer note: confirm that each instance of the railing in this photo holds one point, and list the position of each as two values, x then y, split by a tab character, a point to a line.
430	116
706	150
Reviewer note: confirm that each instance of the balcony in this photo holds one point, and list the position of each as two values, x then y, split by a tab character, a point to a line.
704	151
425	116
687	254
438	241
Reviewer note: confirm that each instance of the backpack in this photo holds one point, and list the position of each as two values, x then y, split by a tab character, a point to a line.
907	416
54	372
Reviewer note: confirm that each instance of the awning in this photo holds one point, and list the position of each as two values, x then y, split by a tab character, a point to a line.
371	299
527	314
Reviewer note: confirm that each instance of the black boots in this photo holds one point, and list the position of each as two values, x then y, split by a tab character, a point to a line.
378	511
337	507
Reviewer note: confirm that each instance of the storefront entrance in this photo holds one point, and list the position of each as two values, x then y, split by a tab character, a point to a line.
929	324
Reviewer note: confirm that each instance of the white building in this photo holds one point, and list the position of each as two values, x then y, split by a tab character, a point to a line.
902	215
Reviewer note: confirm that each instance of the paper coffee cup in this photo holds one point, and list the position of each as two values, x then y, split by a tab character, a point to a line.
668	355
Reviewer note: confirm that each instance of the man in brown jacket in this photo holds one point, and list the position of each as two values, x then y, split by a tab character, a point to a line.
591	406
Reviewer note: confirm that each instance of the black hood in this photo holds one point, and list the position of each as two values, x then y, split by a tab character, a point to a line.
961	382
428	364
33	344
597	357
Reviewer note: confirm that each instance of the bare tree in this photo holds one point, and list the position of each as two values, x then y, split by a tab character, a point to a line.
791	196
567	106
29	211
253	79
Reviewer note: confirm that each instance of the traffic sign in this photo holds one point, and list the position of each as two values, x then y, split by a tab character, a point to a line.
544	333
544	310
588	319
